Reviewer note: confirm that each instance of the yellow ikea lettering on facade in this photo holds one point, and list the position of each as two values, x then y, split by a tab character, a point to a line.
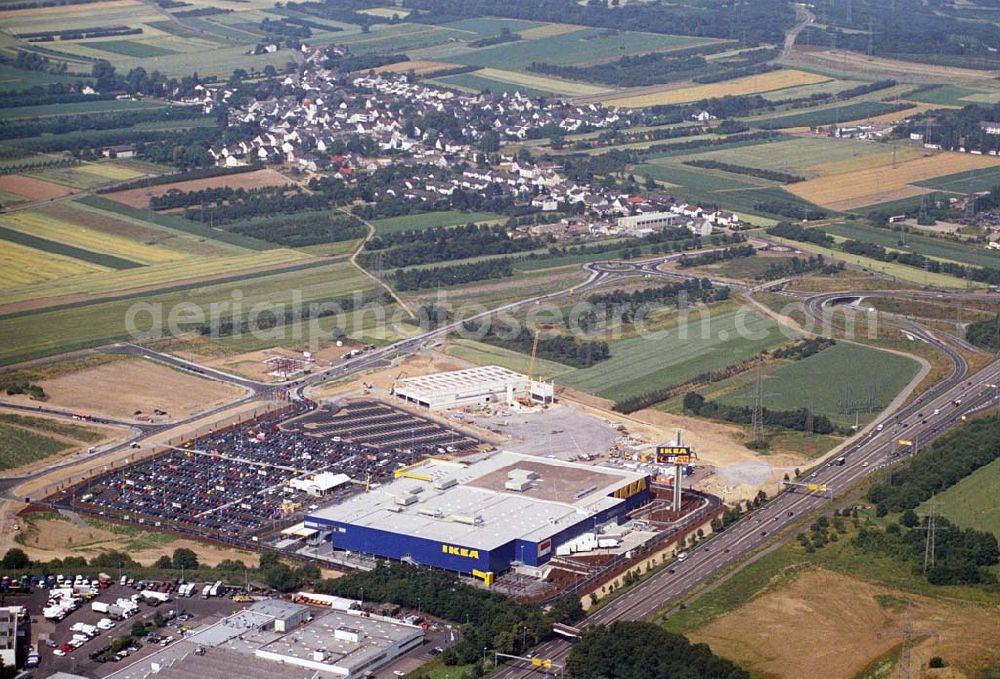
460	551
631	489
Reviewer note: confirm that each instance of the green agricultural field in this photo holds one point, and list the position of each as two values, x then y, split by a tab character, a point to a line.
20	446
73	431
954	95
470	82
825	116
972	503
486	27
130	48
795	156
64	249
428	220
571	48
85	176
832	86
102	106
845	371
938	248
18	79
640	365
739	193
965	182
481	353
77	326
399	38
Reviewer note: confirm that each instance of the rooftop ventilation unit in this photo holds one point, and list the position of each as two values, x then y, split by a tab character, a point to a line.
517	485
445	483
406	500
468	520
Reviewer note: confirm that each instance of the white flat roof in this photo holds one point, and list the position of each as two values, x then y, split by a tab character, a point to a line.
450	514
485	378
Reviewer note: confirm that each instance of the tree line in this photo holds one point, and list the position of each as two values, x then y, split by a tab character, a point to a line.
772	175
301	229
796	266
716	256
560	348
457	274
443	244
801	419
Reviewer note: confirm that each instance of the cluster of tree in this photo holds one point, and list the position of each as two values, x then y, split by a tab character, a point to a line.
282	29
950	459
616	137
804	348
35	4
300	230
281	316
630	306
32	61
716	256
991	201
954	128
911	29
34	164
820	533
760	136
650	398
13	383
417	279
753	22
53	93
962	556
644	650
470	240
560	348
797	420
237	204
985	333
79	33
433	316
639	70
802	234
95	121
201	12
487	620
362	62
755	69
796	266
772	175
786	209
505	35
731	515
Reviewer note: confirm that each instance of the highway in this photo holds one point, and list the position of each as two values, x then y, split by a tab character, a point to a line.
925	418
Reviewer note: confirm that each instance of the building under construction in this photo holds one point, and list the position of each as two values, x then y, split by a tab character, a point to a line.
480	518
473	387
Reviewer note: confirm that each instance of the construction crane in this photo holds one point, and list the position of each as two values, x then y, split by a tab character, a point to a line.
392	389
534	355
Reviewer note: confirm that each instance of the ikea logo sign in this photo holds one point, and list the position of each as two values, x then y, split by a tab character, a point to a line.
460	551
631	489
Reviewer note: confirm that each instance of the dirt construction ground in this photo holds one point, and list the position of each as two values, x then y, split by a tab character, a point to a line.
119	388
828	625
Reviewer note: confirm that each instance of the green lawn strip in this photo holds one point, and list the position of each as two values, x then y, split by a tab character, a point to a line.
55	248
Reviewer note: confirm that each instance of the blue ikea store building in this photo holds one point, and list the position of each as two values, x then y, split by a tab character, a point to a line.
480	518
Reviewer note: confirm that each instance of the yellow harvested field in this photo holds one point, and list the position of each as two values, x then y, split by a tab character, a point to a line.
864	162
386	12
852	190
541	82
20	265
418	66
102	281
245	180
775	80
804	627
110	171
59	231
119	388
549	31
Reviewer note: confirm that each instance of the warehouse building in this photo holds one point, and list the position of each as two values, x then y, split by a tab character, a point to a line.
285	615
480	518
485	385
648	220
